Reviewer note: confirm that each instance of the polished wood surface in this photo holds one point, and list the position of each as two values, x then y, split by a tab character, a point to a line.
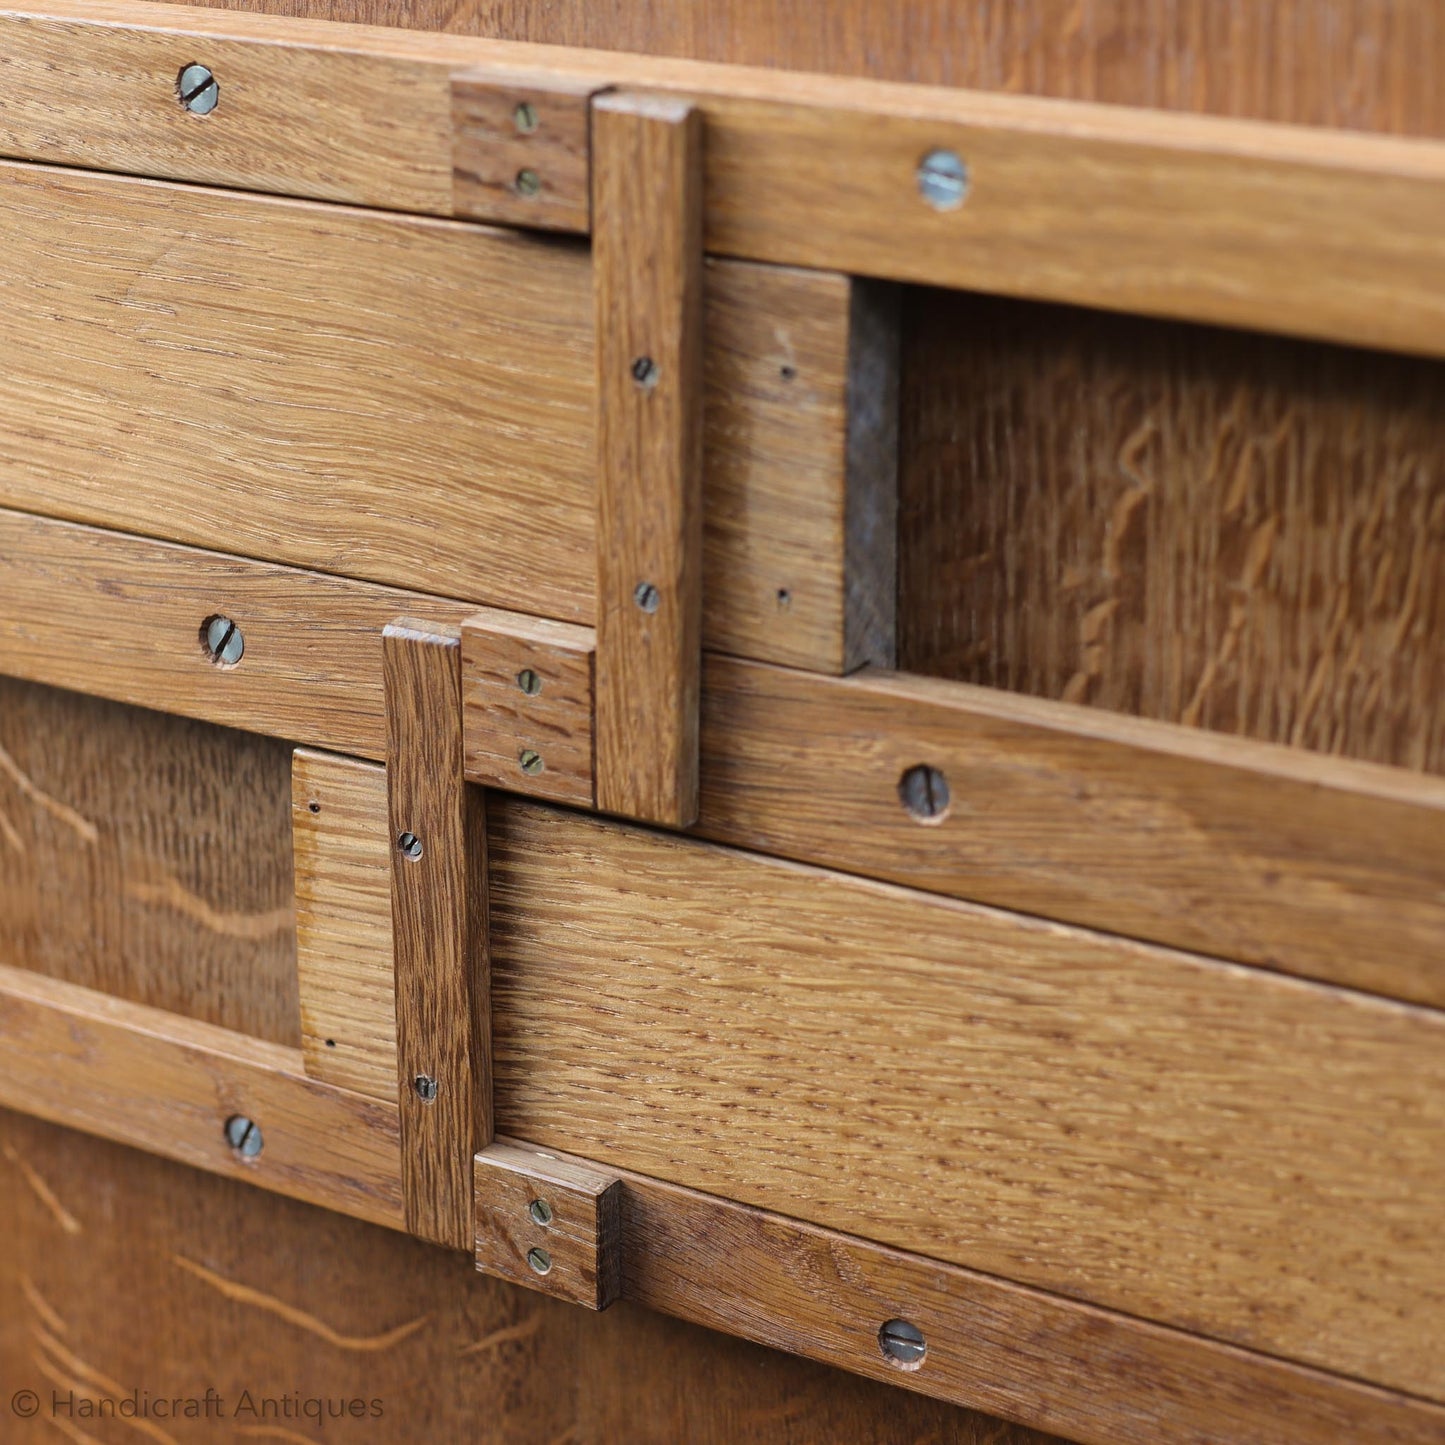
236	1289
441	958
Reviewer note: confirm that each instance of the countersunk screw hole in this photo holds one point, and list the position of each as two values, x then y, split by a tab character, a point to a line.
529	183
244	1136
529	682
645	372
330	1043
785	598
410	847
314	807
222	641
923	791
540	1260
647	596
788	372
525	117
531	762
902	1344
426	1088
540	1211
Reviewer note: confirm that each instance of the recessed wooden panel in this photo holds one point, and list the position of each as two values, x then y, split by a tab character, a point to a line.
342	848
1155	1132
367	394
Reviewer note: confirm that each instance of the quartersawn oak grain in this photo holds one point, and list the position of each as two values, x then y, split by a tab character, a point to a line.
364	394
1150	1131
440	951
647	268
342	852
1317	866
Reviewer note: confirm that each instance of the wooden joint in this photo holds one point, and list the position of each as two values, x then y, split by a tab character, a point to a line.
439	926
520	152
552	1224
647	279
527	705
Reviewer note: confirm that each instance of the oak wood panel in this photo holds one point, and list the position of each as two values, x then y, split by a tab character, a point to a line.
647	277
1229	531
168	1084
276	1297
364	394
1330	869
342	847
1150	1131
440	956
146	856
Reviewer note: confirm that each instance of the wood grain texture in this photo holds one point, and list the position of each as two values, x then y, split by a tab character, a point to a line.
1197	218
365	394
1329	869
120	616
647	274
148	857
168	1084
553	1225
1185	524
440	952
527	705
521	149
1185	1140
342	847
338	1309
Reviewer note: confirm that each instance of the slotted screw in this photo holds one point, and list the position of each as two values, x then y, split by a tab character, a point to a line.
224	642
531	762
923	790
426	1088
409	845
199	90
943	180
902	1343
244	1136
647	597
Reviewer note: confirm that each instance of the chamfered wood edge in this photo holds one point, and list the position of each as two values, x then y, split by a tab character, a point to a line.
1320	233
164	1084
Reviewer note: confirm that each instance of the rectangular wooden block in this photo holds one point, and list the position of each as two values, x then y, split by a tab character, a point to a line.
1158	1133
521	149
342	854
439	939
366	394
648	277
527	701
551	1224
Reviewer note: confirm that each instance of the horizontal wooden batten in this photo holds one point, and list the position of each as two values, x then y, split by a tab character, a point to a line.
169	1085
368	394
1325	234
1317	866
1151	1131
91	1062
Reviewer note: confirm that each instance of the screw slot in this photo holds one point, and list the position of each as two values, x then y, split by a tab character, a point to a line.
410	846
645	372
540	1211
540	1260
198	90
902	1344
528	183
923	791
529	682
426	1088
222	641
647	596
531	762
525	117
244	1136
943	180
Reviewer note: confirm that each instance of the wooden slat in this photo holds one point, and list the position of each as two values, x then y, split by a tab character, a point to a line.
522	150
1324	234
527	706
342	854
1151	1131
1092	1376
439	933
367	394
1317	866
168	1085
647	275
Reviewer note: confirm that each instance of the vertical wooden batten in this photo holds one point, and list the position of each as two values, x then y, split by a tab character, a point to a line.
647	276
439	926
